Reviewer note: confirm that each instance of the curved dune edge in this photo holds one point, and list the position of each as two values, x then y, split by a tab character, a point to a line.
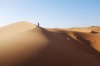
25	44
84	33
19	45
17	27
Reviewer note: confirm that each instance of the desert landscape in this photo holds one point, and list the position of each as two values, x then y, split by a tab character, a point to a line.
26	44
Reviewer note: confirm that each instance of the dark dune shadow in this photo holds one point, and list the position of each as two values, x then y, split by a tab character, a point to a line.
64	53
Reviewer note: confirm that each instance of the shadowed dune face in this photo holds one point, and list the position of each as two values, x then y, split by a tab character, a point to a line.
25	44
91	38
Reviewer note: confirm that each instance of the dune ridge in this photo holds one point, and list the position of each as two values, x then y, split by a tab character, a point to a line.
26	44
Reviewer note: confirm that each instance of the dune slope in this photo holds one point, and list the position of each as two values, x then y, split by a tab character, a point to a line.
25	44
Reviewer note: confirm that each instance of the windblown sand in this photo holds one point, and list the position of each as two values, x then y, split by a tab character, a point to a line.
25	44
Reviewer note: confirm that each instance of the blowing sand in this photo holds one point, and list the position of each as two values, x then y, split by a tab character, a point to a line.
25	44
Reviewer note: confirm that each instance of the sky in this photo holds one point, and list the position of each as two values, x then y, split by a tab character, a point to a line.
51	13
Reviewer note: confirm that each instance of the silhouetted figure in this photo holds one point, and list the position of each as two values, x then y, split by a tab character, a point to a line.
38	25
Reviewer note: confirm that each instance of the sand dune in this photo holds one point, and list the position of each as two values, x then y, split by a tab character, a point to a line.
80	30
94	28
25	44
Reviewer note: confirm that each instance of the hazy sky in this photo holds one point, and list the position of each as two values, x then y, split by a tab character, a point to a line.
51	13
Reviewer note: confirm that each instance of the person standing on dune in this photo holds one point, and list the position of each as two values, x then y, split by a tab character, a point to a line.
38	24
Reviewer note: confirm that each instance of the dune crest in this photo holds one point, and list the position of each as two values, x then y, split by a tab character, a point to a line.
17	27
26	44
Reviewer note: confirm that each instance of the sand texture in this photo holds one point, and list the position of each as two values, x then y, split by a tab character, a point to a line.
26	44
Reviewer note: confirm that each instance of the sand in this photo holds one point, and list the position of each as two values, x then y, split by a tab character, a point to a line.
25	44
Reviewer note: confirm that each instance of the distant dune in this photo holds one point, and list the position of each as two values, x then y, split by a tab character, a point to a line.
26	44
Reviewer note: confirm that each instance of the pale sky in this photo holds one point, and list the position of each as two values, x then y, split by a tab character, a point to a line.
51	13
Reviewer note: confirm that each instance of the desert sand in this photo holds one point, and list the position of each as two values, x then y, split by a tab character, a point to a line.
26	44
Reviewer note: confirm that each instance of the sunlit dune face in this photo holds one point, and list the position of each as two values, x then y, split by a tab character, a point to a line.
25	44
16	27
20	44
